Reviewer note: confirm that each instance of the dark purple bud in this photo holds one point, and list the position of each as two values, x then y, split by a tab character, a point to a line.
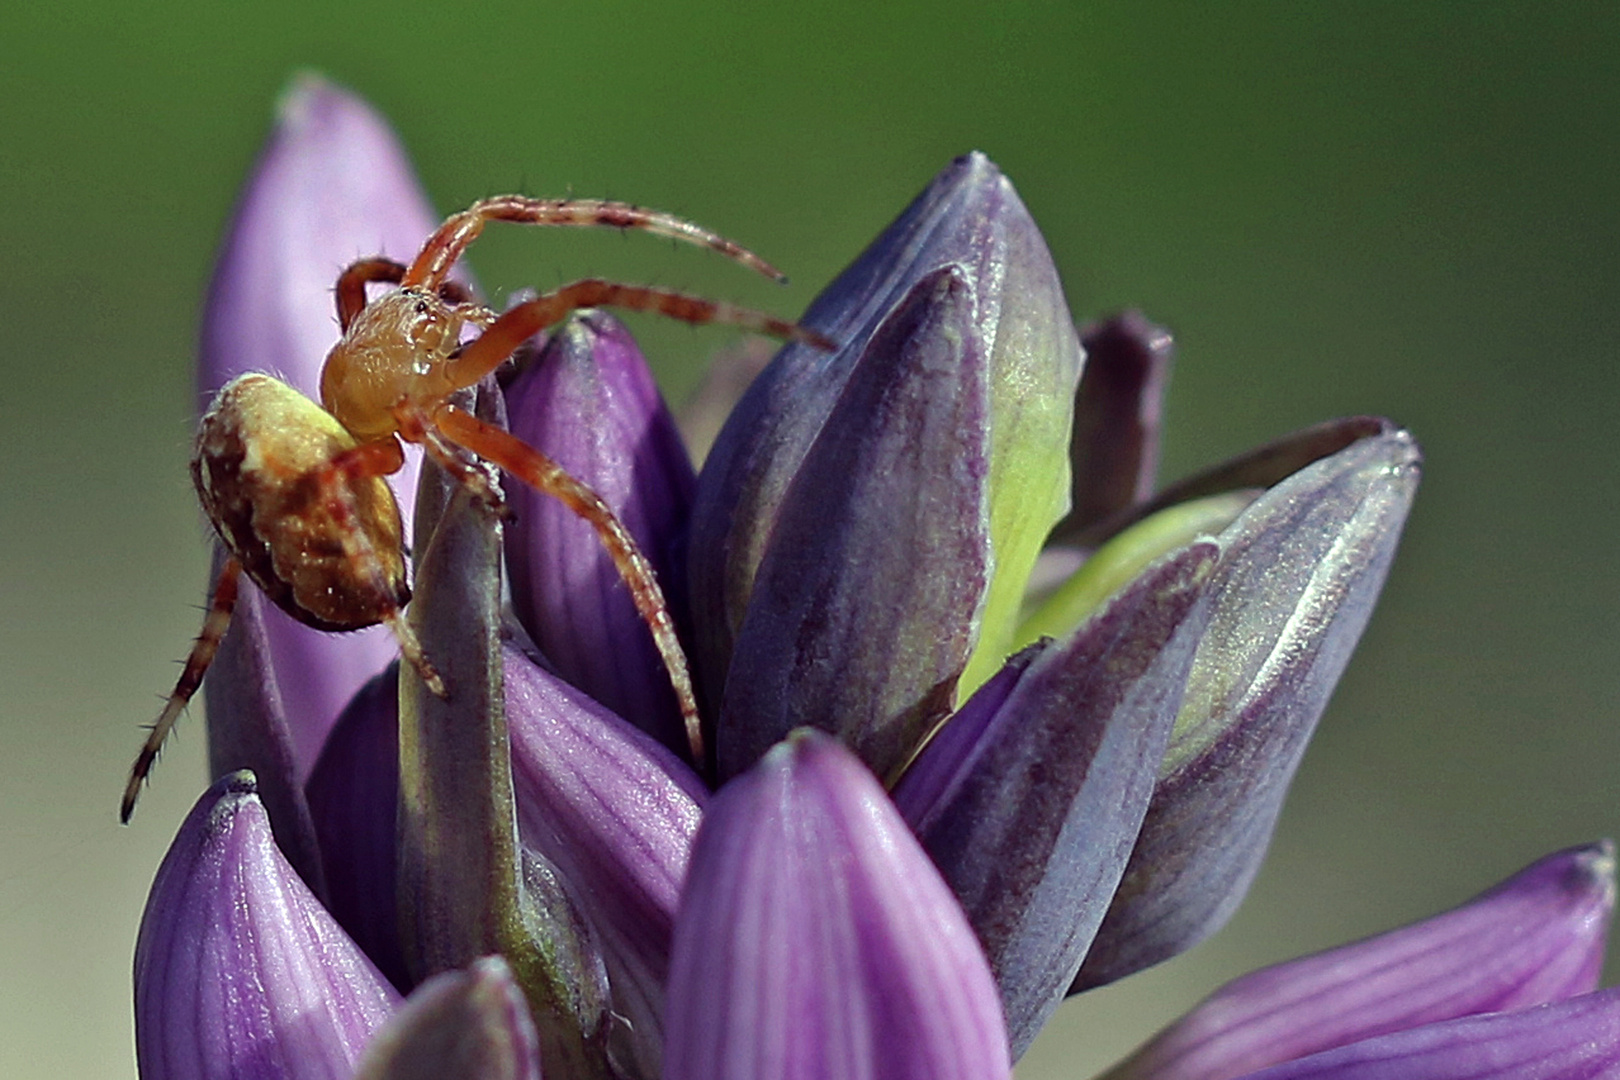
332	185
969	218
816	939
1115	452
1535	938
590	403
615	812
1032	812
249	726
461	1025
240	974
864	613
1299	573
354	798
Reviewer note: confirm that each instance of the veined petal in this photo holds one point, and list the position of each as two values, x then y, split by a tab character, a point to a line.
1577	1039
1301	569
239	971
1034	828
865	609
969	217
589	402
615	812
816	940
333	185
471	1024
1535	938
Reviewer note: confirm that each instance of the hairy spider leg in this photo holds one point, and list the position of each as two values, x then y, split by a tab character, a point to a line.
214	626
522	321
351	287
445	246
382	457
546	476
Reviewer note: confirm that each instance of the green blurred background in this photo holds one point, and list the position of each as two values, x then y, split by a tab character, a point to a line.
1367	207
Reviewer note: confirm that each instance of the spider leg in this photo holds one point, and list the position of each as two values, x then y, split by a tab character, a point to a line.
445	246
214	626
351	287
546	476
367	460
517	324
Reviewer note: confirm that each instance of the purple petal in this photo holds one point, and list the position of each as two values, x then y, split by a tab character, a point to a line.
461	1025
239	971
589	401
1578	1039
353	796
249	728
1115	452
969	217
1537	937
1035	827
865	609
332	185
816	940
1301	569
1259	468
615	812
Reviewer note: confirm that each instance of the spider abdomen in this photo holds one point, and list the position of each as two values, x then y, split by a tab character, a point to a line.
324	543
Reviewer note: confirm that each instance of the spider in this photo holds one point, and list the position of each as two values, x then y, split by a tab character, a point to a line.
295	490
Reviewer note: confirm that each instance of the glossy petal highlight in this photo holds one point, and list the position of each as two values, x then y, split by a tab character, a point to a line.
1301	569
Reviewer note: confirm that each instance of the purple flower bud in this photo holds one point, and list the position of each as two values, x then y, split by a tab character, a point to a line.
815	938
353	796
864	613
239	971
1300	570
1031	813
1535	938
1115	452
471	1024
1024	356
589	402
333	185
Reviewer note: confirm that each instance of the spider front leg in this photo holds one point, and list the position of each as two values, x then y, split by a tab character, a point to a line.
540	472
214	626
521	322
350	291
447	243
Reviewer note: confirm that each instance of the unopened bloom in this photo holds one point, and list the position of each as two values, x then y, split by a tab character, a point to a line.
938	799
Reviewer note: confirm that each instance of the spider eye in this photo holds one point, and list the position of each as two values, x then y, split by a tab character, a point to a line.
421	307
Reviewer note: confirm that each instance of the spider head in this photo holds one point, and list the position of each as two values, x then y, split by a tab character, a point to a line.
389	355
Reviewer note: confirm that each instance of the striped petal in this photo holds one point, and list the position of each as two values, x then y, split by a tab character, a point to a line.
1535	938
816	940
239	971
589	402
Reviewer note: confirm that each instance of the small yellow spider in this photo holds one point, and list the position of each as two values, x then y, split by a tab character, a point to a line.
295	490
